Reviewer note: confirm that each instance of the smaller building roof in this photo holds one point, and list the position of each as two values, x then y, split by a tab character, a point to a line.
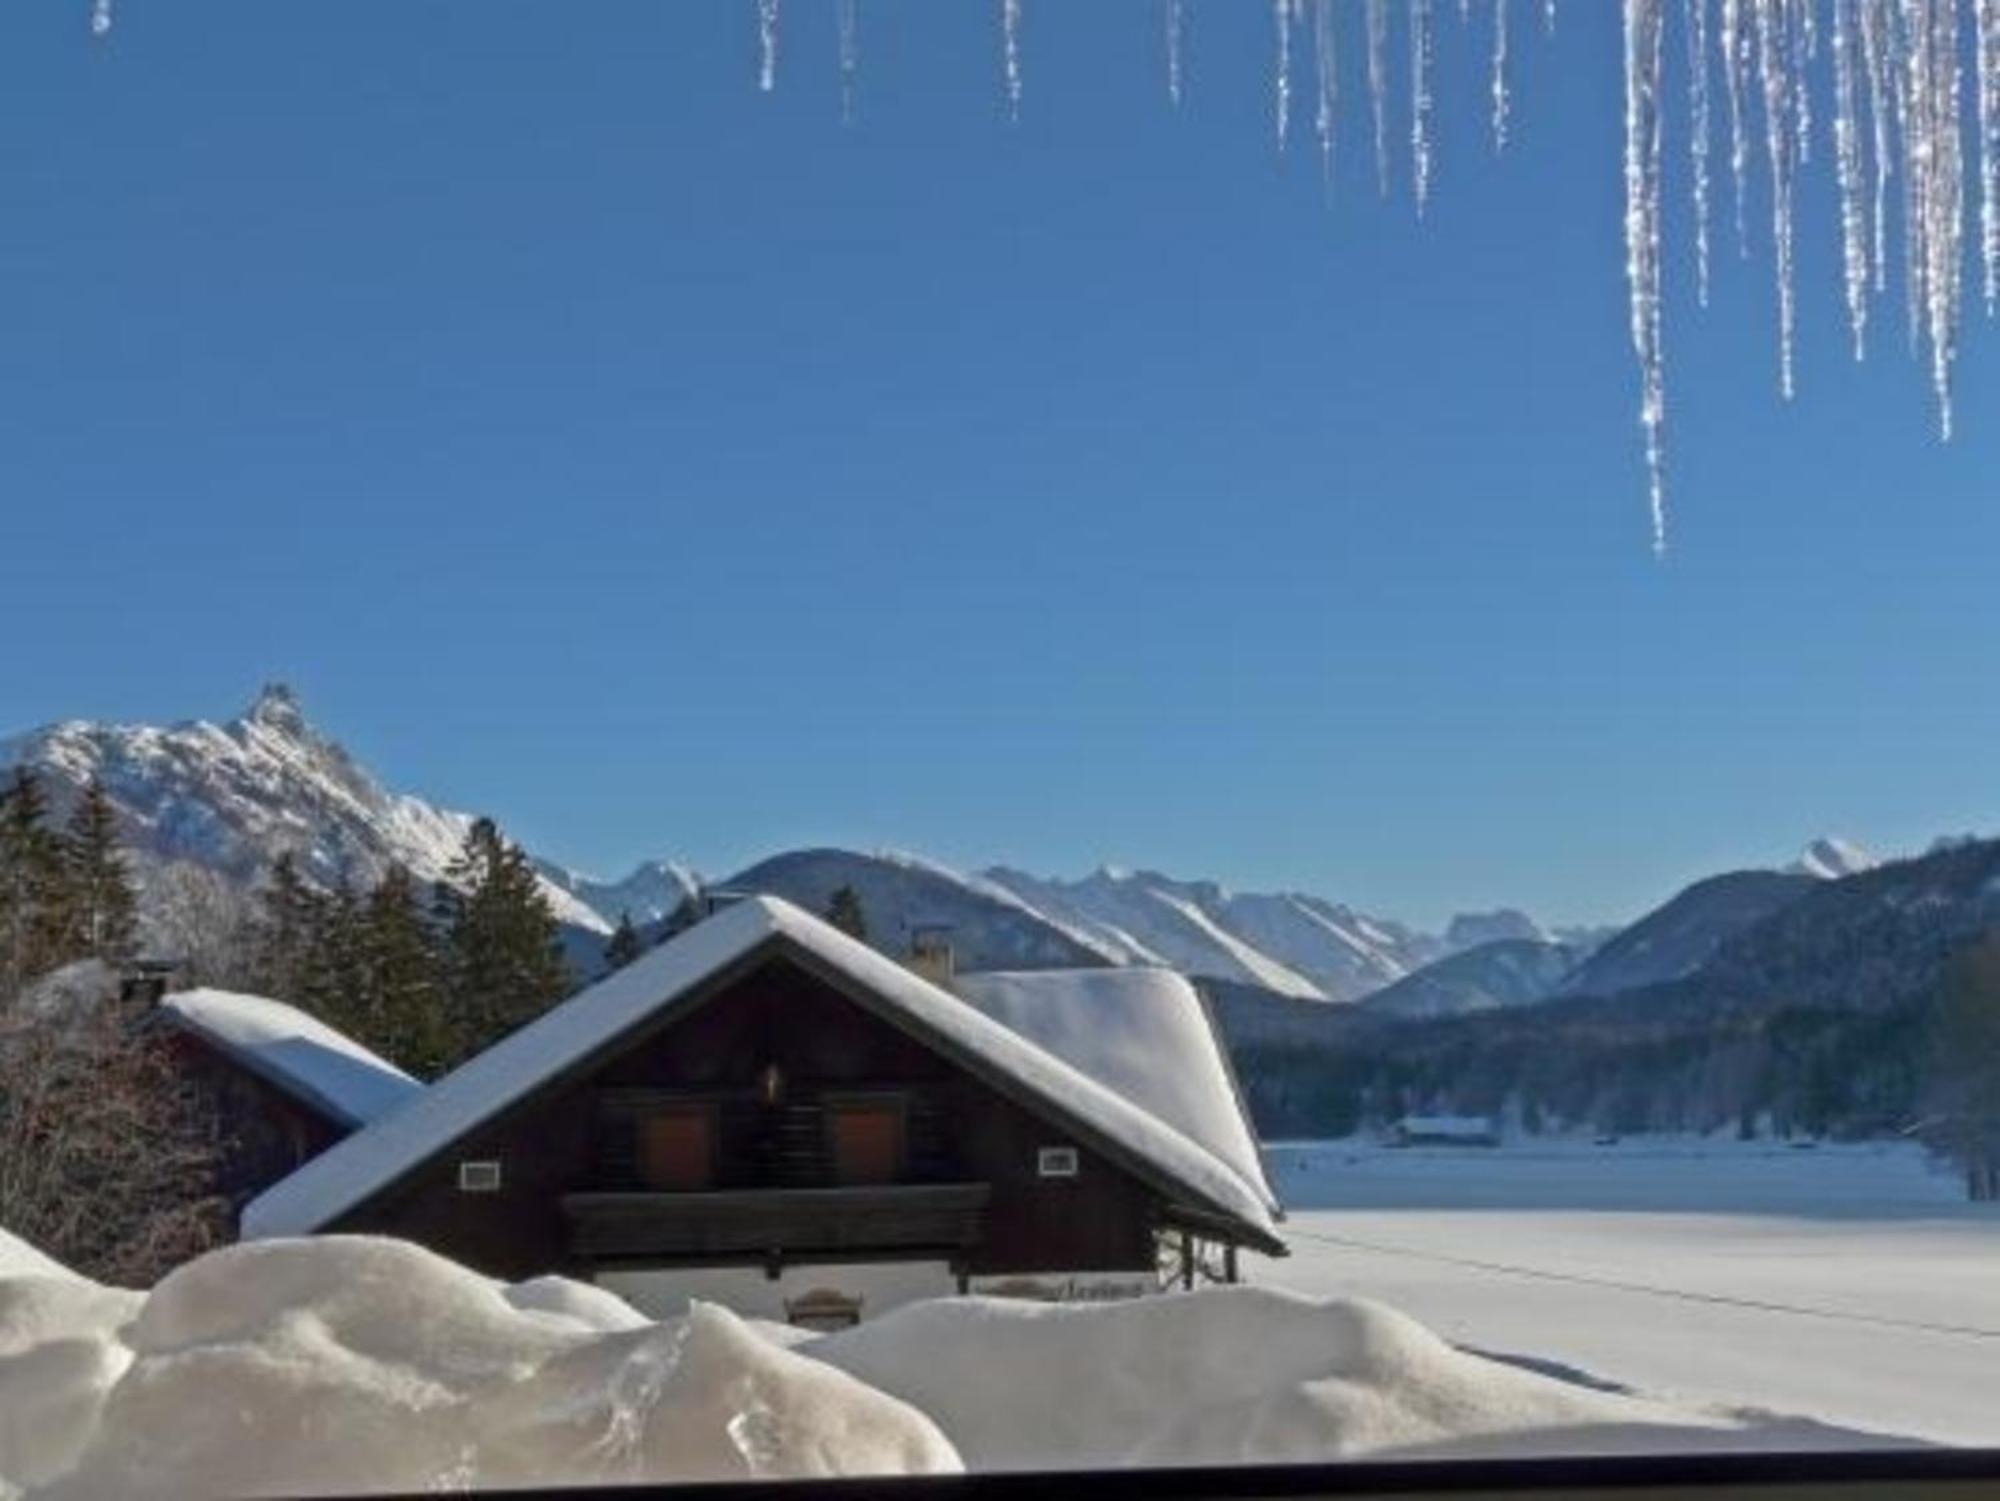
320	1067
353	1171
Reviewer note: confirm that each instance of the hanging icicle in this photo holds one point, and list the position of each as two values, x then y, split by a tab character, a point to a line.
1644	55
1378	85
1699	132
767	45
1549	17
1849	169
1281	81
850	57
1174	22
1421	103
1501	102
1875	17
101	18
1775	79
1989	149
1326	74
1736	80
1010	49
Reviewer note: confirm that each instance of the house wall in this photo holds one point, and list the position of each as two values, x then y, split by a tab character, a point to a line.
547	1145
267	1134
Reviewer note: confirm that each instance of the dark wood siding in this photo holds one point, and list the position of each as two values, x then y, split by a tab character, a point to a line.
576	1137
267	1134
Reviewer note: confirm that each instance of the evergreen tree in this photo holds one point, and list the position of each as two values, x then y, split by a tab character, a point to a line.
625	945
33	936
503	951
333	981
286	926
844	911
403	984
102	908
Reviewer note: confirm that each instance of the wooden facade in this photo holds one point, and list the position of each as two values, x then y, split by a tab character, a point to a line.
266	1132
771	1118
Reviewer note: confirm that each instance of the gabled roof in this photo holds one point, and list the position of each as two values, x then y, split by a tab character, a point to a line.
1143	1032
323	1069
1186	1174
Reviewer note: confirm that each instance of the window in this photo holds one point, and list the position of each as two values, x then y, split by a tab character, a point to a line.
676	1148
866	1141
1056	1162
479	1177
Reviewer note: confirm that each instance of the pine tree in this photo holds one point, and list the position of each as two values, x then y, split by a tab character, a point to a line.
504	962
405	1018
845	912
286	925
332	982
33	936
102	908
625	945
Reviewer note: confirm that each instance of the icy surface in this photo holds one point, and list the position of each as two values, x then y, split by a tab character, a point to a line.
299	1053
350	1365
372	1158
1852	1284
1141	1032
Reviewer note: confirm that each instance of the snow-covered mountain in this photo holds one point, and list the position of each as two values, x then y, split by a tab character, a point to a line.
1291	943
1505	972
233	797
654	890
1832	859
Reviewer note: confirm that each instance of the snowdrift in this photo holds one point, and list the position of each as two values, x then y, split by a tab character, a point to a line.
355	1365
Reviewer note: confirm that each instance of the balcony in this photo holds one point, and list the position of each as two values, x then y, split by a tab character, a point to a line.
860	1223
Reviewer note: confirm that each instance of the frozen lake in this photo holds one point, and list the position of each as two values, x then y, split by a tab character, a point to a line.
1847	1283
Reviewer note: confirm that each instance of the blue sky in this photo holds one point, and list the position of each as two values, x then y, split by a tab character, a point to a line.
667	469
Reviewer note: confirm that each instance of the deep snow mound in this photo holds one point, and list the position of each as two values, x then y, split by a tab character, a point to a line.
1240	1375
349	1365
354	1365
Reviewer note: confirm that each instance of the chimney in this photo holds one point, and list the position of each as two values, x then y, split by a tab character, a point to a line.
145	982
931	954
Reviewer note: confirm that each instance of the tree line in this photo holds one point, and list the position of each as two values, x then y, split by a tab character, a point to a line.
66	892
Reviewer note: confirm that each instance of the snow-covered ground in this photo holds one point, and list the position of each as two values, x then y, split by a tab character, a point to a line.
1848	1283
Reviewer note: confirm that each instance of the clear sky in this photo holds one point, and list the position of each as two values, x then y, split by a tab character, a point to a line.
668	469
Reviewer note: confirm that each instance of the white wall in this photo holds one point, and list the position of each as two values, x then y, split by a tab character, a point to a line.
881	1285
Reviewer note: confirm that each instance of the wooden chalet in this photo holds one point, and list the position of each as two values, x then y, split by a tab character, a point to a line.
766	1112
284	1085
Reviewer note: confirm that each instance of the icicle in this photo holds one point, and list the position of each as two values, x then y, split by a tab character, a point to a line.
1989	148
1282	79
1698	136
1802	45
1643	60
1943	196
1911	83
101	18
1848	170
1775	77
1174	23
1010	44
1378	85
1736	78
1327	76
1549	16
1420	102
1501	103
1874	52
850	57
767	45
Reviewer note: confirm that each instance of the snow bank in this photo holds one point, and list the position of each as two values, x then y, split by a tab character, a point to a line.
350	1365
19	1259
356	1365
1226	1376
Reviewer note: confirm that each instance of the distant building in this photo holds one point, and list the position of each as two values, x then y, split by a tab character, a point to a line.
769	1114
1445	1131
285	1085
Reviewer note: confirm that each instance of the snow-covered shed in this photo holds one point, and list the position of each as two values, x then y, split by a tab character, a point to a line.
764	1109
287	1085
1445	1131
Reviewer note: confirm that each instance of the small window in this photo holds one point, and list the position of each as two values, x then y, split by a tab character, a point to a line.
1056	1162
479	1177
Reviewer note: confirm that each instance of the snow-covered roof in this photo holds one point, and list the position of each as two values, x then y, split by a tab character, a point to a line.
297	1053
354	1170
1143	1032
1446	1125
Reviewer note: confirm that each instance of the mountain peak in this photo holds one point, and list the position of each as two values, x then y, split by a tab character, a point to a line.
1829	859
277	707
